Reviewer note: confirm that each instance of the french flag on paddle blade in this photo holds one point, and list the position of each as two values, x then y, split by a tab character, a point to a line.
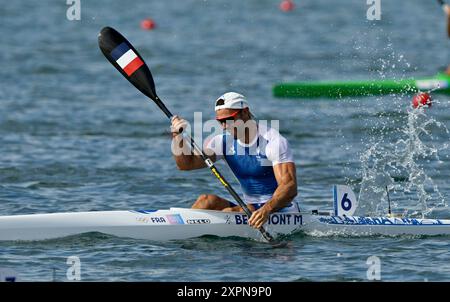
126	58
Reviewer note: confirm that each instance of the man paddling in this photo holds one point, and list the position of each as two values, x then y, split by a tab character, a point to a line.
259	157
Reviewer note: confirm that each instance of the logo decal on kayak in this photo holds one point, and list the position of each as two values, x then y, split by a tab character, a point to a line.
198	221
154	220
274	219
175	219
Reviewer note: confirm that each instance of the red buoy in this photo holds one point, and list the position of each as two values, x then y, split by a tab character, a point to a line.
148	24
287	5
421	99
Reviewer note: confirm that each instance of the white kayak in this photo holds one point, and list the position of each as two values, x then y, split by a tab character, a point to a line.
181	223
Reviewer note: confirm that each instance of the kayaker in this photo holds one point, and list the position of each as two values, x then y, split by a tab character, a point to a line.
259	157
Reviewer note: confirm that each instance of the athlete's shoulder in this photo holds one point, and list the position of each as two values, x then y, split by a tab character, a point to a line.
269	133
277	148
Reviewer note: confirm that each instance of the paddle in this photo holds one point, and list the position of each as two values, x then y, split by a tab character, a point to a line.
131	65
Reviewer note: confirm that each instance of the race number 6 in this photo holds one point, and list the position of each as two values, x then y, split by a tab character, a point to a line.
346	203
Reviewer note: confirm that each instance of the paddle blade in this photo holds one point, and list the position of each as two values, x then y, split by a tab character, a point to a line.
127	60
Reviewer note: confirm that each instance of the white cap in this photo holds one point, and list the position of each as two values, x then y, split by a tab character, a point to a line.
231	100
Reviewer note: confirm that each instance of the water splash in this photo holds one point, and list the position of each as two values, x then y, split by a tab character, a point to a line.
400	146
401	165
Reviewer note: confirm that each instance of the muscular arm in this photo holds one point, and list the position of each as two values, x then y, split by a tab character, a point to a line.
183	156
285	174
286	191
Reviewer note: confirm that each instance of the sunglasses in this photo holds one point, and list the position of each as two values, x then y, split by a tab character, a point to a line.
230	117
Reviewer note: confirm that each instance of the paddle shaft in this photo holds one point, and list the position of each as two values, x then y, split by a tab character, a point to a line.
213	169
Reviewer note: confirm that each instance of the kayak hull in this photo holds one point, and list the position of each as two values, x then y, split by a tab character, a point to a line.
160	225
180	223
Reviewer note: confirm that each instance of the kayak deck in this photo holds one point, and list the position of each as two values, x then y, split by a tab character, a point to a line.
180	223
338	89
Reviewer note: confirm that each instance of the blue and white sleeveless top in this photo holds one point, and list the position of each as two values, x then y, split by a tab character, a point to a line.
252	164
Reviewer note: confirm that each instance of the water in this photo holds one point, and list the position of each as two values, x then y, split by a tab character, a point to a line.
75	136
